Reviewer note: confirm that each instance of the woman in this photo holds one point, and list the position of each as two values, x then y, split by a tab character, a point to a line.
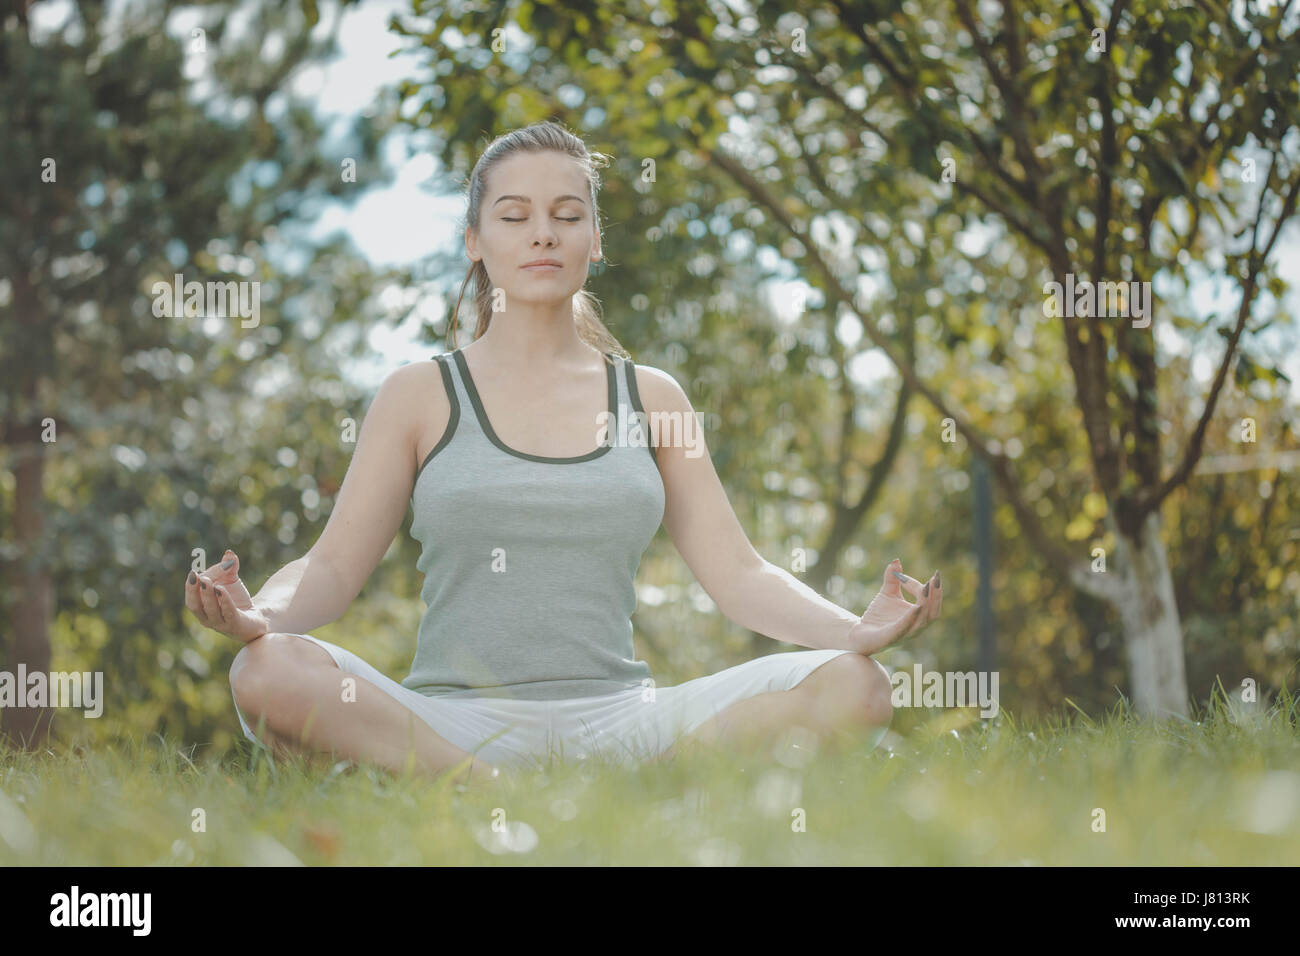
532	538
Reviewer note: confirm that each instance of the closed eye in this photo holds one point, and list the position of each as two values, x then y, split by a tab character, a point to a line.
562	218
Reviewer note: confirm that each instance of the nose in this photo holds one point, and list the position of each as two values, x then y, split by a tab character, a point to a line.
545	235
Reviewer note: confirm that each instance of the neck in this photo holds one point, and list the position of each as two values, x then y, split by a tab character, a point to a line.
531	334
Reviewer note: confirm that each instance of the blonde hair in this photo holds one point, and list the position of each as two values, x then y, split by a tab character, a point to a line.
536	138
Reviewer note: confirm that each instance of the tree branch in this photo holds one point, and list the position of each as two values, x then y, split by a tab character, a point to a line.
1013	112
1065	564
1256	261
846	520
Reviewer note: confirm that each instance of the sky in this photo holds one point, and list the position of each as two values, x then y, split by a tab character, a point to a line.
404	222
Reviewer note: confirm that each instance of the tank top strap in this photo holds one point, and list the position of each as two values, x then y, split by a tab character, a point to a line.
629	406
456	382
621	403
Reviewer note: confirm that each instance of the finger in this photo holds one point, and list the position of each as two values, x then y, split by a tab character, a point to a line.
929	596
208	598
916	619
890	583
934	600
192	600
225	571
914	587
224	606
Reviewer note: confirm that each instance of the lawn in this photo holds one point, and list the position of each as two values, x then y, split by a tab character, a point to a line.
944	787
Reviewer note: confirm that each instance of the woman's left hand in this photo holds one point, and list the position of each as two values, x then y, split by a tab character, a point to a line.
890	617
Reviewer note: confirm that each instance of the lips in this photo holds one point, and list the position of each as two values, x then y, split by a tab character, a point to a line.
543	267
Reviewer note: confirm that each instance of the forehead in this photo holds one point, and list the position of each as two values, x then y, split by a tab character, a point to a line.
541	176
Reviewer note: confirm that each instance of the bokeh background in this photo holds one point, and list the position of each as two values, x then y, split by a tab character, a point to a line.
831	224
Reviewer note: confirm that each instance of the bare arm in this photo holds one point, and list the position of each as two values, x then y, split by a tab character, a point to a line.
320	586
305	594
747	588
773	602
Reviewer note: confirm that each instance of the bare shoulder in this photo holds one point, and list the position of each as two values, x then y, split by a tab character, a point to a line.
423	398
413	375
410	403
659	391
411	388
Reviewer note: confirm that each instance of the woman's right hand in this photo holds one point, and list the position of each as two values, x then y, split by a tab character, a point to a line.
220	601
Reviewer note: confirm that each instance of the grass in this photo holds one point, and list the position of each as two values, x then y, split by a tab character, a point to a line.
943	788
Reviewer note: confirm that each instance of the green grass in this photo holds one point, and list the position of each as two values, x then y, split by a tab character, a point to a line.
943	788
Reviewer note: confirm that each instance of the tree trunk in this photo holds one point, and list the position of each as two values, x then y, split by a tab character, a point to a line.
30	575
1153	634
29	571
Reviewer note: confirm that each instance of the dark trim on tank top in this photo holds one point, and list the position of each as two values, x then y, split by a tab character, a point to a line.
452	420
477	402
629	373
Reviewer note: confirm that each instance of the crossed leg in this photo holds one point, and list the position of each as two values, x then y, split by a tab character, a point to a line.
291	693
843	702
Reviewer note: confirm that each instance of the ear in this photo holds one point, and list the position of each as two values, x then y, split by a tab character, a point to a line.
471	244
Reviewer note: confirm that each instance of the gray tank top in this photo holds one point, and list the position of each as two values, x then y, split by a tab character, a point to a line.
529	561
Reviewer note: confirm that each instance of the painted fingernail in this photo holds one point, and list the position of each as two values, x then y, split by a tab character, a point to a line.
190	579
938	581
219	592
926	589
228	563
203	584
899	576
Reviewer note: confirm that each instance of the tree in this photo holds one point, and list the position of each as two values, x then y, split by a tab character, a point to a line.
1125	144
126	173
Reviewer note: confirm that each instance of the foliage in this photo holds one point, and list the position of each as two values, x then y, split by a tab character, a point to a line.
176	435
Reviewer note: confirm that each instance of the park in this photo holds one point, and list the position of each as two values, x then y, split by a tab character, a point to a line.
893	270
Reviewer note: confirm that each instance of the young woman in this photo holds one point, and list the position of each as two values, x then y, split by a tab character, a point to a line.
533	517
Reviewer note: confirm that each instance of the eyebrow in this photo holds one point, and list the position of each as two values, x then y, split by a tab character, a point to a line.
525	199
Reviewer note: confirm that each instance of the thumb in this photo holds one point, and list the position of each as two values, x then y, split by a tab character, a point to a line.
891	584
228	568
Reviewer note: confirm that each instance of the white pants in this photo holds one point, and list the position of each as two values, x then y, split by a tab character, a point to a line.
625	727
